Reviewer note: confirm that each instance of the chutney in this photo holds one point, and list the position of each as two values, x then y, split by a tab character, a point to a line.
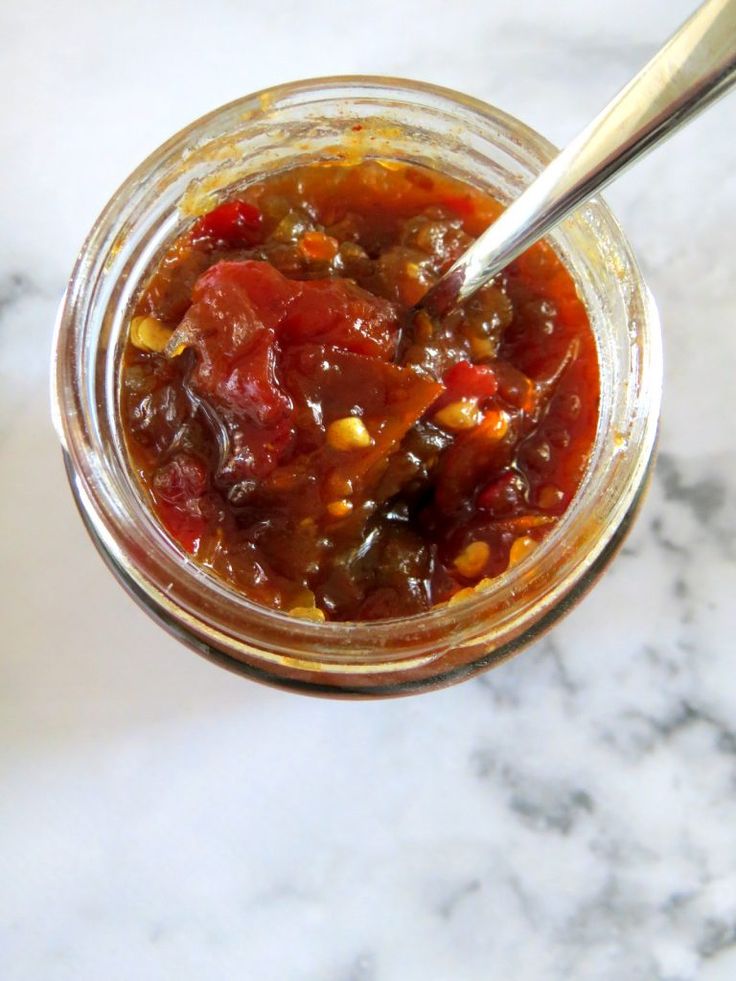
307	437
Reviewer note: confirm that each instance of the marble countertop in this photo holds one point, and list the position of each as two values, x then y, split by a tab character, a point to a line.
571	815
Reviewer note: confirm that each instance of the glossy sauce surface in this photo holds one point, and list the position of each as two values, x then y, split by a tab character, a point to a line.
312	442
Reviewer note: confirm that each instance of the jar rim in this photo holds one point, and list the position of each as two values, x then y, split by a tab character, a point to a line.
357	646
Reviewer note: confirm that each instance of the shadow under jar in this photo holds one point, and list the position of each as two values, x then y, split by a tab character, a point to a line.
346	119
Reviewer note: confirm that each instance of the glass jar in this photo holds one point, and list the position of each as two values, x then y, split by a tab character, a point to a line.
242	142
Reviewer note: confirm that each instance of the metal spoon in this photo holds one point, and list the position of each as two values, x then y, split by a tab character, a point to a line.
694	68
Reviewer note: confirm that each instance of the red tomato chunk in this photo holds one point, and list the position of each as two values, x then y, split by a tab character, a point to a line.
306	437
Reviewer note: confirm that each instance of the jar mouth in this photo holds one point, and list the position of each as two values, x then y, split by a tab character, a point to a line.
206	158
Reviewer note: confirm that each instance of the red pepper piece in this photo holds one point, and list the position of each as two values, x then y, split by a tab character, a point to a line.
503	495
232	223
467	381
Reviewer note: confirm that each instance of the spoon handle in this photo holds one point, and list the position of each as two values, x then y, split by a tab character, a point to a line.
694	68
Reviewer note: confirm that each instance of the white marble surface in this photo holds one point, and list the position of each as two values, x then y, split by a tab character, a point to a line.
570	816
